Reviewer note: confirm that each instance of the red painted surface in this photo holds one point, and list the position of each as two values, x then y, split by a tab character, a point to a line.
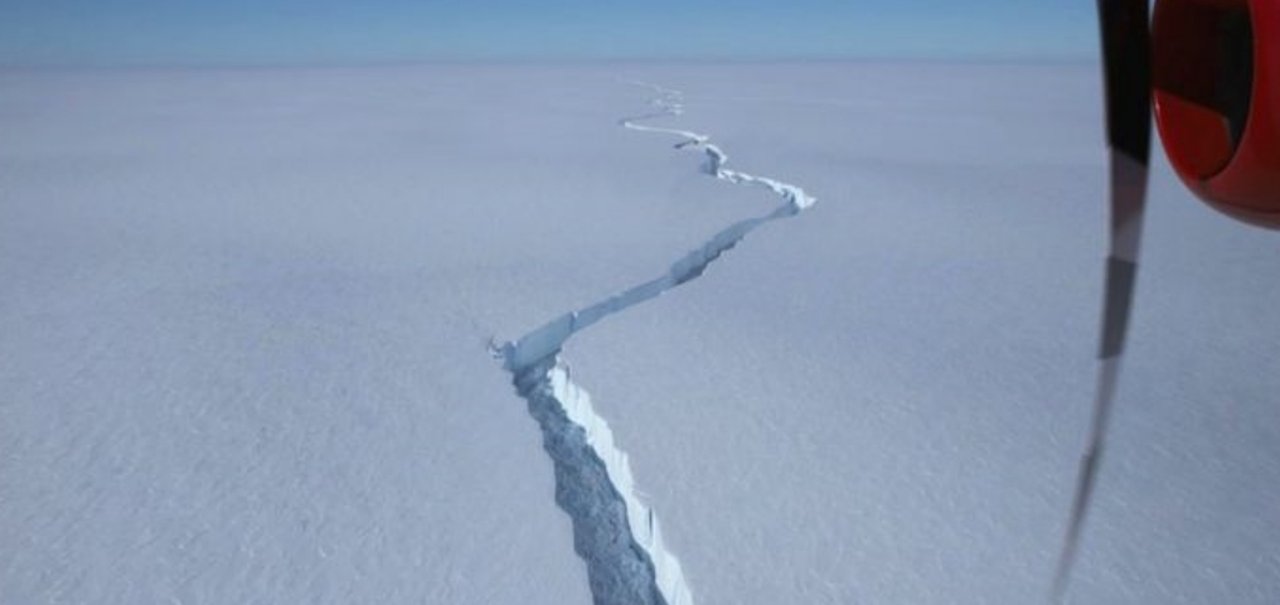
1240	178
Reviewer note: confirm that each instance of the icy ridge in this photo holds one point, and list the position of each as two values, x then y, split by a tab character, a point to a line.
549	338
615	532
670	103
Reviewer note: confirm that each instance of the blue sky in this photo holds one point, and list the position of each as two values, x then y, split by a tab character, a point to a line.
106	32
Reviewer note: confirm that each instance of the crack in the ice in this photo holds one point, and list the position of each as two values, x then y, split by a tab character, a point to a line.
614	531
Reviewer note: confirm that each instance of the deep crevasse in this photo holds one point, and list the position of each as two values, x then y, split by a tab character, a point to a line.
615	532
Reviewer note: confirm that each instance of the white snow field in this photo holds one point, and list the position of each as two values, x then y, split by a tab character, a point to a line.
249	321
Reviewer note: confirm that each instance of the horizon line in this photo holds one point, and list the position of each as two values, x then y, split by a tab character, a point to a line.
549	60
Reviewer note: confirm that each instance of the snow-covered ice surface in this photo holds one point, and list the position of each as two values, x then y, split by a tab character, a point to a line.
243	324
884	400
244	317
